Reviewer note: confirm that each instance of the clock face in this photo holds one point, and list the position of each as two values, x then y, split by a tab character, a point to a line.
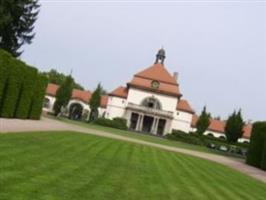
155	84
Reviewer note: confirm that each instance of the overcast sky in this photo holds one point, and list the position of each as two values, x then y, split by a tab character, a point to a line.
218	48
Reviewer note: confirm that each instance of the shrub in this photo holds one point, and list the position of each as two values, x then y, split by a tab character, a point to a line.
12	88
118	123
26	93
256	154
4	70
184	137
37	101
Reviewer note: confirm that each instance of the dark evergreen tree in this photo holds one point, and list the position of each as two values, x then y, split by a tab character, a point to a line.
203	121
63	95
17	19
95	102
234	127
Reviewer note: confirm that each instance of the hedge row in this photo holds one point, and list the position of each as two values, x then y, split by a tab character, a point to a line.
119	123
22	89
257	150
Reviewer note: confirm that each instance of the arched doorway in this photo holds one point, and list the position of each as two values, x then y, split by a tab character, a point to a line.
75	111
46	103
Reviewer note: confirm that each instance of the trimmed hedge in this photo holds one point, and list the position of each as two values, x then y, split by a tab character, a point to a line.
12	89
257	150
4	66
119	123
22	89
37	101
184	137
27	91
263	160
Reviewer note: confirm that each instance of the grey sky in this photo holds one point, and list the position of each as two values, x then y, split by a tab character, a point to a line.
218	48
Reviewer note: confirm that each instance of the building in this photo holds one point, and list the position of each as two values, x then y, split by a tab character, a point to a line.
151	102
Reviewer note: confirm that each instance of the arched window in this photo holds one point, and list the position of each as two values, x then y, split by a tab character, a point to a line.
152	102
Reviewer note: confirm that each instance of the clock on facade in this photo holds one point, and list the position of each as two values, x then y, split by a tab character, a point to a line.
155	84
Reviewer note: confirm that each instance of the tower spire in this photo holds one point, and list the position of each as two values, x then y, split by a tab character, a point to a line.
160	56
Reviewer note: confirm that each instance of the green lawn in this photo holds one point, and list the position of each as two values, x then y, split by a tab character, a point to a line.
141	136
74	166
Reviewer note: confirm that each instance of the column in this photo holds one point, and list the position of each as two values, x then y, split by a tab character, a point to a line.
138	123
128	117
141	122
154	125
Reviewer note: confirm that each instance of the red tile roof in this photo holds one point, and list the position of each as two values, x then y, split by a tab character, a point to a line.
81	95
157	72
121	92
183	105
51	89
247	131
218	126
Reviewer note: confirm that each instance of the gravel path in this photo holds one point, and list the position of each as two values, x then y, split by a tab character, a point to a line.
46	124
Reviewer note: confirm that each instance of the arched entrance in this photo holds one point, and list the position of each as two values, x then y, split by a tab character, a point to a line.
75	111
46	103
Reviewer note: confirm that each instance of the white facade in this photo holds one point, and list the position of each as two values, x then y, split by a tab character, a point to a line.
167	116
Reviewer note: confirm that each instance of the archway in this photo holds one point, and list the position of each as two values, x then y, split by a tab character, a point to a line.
75	111
46	103
152	102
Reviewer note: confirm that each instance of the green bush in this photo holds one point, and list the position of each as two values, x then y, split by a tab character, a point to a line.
4	71
12	88
256	153
39	93
263	160
184	137
26	93
117	122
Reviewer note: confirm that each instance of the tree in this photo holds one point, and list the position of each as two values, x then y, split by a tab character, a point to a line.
203	121
17	18
234	127
95	102
58	78
63	95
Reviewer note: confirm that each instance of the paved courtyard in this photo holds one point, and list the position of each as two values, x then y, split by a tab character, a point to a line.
46	124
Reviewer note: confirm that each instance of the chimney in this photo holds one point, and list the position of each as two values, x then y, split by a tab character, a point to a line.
175	75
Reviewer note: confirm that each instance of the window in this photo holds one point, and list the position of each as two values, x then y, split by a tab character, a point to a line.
151	102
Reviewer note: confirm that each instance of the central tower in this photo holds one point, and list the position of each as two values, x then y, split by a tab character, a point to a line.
160	56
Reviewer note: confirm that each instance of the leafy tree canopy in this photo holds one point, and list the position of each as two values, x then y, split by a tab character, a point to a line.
203	121
17	18
58	78
234	127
